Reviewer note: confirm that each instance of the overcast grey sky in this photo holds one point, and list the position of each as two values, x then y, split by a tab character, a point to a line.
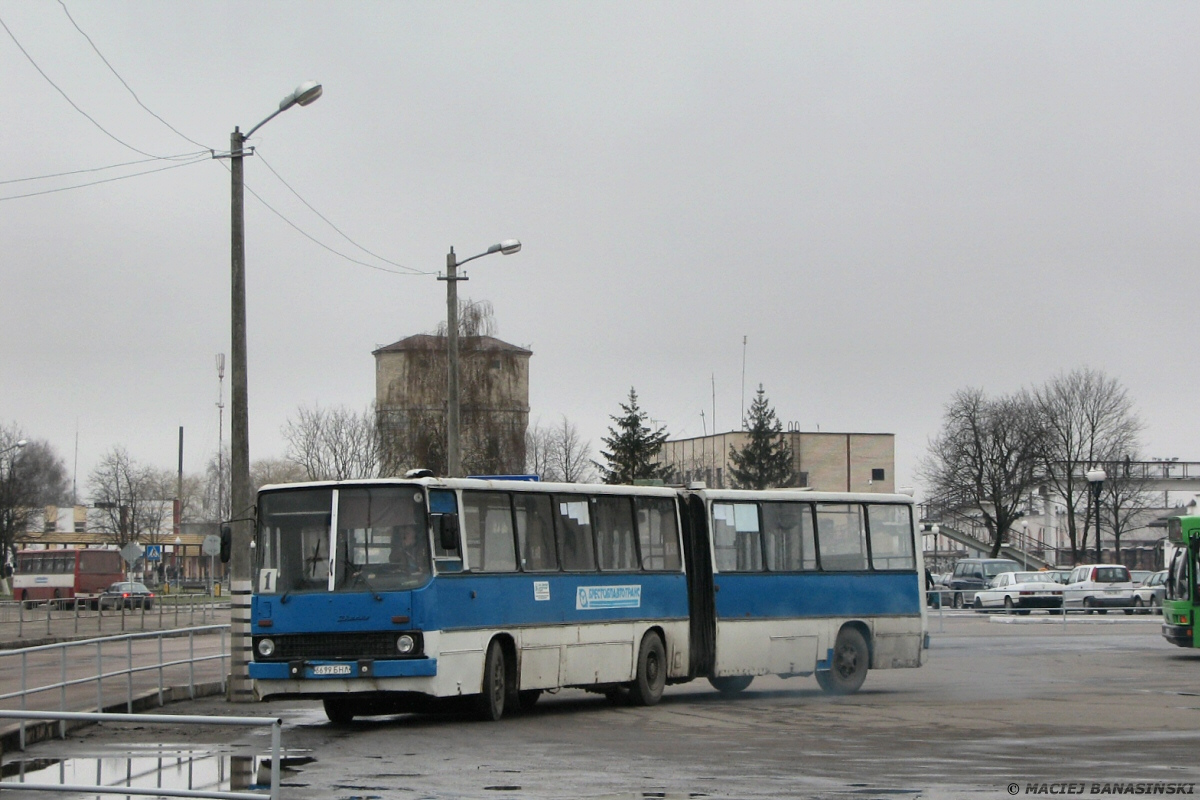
892	201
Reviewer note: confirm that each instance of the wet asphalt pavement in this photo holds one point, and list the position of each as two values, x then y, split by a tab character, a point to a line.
1005	707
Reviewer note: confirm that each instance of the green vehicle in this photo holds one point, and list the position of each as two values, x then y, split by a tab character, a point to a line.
1181	602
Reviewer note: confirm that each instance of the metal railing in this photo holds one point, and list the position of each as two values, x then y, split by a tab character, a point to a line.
32	616
85	646
63	717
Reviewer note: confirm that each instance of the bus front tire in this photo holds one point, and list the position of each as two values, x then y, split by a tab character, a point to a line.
340	710
494	691
731	684
651	679
848	667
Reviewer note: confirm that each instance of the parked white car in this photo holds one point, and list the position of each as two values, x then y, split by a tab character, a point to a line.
1019	592
1148	598
1099	587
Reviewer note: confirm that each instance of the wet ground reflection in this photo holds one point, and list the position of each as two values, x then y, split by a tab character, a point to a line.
154	767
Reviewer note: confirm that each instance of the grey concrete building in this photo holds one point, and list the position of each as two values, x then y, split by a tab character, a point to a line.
831	462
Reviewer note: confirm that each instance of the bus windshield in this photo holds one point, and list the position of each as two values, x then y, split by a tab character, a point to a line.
381	542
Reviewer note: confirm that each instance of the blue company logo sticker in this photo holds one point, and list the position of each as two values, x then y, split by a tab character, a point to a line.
594	597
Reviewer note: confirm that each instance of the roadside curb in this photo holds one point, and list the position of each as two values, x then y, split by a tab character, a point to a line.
42	730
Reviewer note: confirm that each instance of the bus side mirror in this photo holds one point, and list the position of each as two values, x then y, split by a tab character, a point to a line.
448	531
226	543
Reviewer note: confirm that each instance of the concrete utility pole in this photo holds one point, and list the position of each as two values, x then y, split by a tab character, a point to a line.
242	505
453	451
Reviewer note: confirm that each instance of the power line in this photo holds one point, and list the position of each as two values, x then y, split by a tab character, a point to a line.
108	180
326	220
122	80
101	169
102	129
322	245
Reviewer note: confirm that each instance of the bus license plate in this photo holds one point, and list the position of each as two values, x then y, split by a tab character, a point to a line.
332	669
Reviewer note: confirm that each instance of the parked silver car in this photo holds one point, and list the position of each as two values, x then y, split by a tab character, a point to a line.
1148	598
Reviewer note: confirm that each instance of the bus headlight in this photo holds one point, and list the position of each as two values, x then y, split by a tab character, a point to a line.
266	647
404	644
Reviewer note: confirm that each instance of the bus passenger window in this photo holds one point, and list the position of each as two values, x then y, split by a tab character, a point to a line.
788	528
575	534
891	537
736	537
487	529
614	534
657	533
843	537
535	532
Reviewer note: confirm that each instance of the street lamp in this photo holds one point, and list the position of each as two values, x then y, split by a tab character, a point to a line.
20	444
175	558
1024	544
1096	478
239	431
453	453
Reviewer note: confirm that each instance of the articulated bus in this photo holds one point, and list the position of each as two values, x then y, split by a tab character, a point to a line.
378	596
1180	603
67	576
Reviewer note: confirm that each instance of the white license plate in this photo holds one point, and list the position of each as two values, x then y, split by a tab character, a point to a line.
332	669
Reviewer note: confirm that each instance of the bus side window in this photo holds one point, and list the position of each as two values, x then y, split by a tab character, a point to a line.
788	528
737	537
574	530
614	533
487	525
657	533
535	532
891	536
843	537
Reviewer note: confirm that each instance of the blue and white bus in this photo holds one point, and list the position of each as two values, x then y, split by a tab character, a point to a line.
376	596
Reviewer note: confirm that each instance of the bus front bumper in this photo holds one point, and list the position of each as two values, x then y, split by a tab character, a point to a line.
341	670
1180	635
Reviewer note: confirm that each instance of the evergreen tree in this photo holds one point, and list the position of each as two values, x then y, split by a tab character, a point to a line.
766	460
633	448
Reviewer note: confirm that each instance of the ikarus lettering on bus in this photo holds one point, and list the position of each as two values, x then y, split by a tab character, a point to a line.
597	597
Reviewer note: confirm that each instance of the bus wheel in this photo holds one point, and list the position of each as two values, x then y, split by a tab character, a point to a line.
340	710
731	684
849	664
651	678
528	698
495	684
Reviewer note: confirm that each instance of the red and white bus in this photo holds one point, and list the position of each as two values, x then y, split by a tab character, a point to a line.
67	575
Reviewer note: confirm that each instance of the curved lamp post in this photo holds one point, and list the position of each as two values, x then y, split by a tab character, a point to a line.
1095	478
239	430
453	453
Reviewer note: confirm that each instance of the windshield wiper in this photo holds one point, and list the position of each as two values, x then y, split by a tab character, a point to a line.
361	576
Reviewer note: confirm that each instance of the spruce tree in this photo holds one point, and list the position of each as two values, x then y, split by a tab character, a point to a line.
766	460
633	447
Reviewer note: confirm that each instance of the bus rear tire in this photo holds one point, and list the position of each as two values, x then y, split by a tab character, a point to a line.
494	691
528	698
848	667
731	684
340	710
651	678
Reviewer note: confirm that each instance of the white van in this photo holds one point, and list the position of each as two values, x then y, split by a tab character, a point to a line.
1099	587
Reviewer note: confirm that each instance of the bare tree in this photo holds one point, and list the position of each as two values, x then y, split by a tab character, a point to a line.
133	499
537	453
31	476
1088	419
570	456
334	443
275	470
1123	503
986	457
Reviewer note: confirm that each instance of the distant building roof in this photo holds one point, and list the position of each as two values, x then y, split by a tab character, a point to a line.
428	341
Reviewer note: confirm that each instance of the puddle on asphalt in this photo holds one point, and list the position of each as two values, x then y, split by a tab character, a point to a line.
158	767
